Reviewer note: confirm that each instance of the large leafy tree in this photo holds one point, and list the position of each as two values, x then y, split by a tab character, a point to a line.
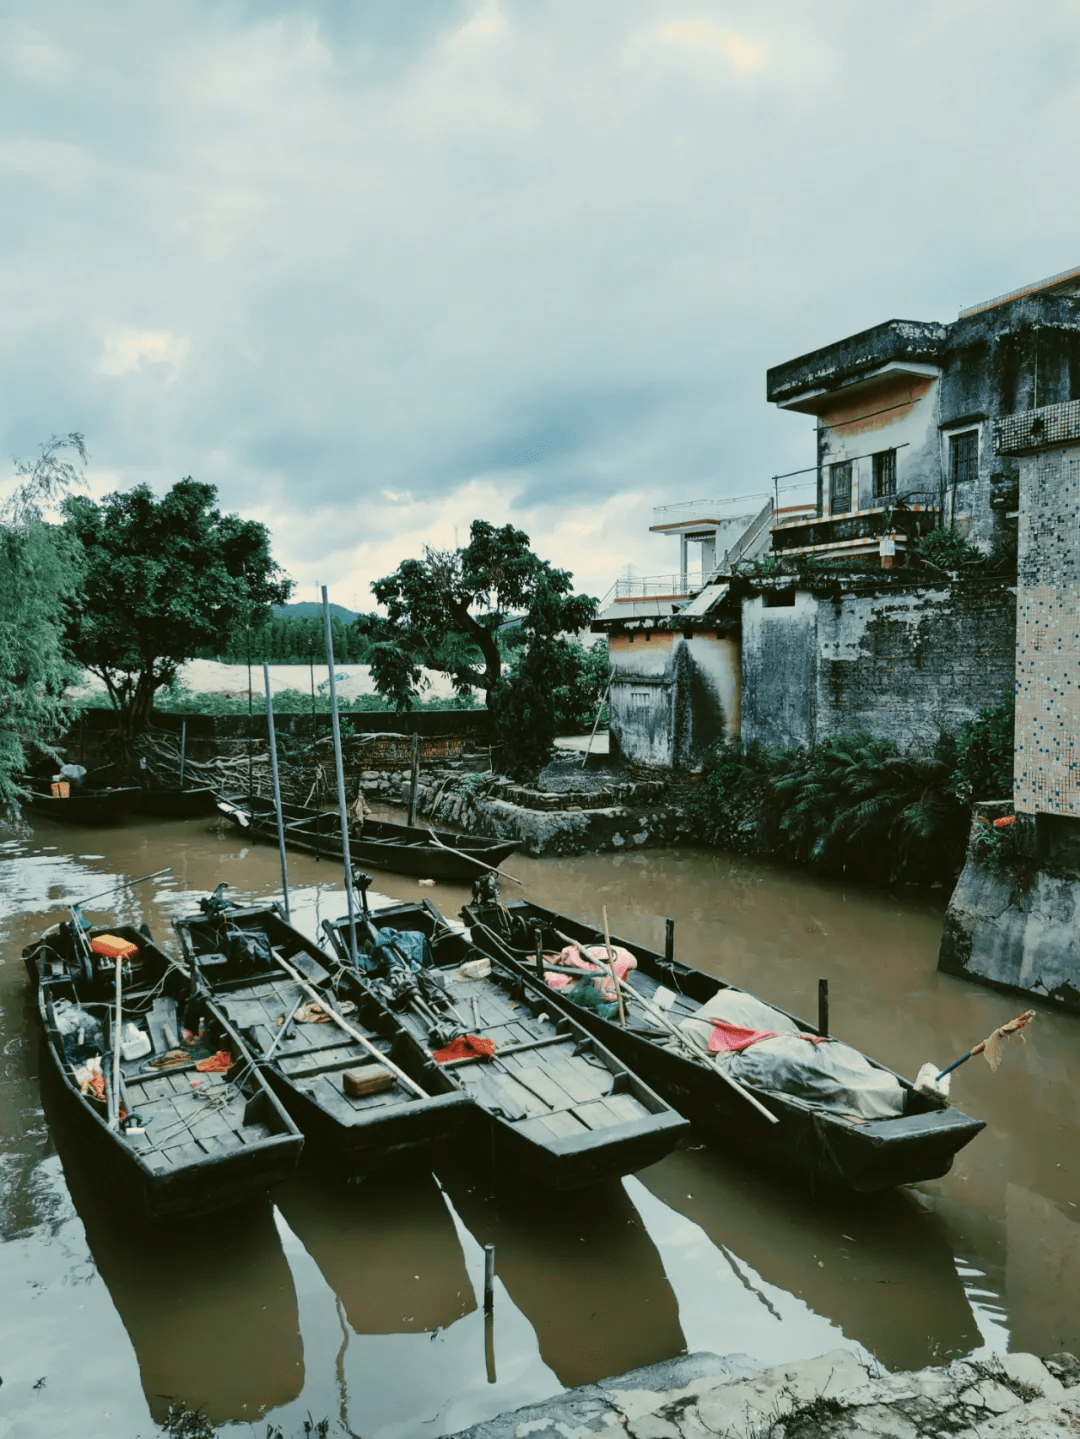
164	580
444	613
39	573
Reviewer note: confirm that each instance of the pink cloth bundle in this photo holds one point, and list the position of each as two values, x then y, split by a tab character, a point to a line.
593	959
730	1038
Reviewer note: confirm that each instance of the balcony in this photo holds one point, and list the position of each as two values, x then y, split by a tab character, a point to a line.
856	534
655	595
697	515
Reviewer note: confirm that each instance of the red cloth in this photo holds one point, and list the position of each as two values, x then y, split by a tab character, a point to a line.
216	1063
466	1046
728	1038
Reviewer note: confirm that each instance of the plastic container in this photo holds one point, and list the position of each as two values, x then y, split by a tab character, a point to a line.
134	1042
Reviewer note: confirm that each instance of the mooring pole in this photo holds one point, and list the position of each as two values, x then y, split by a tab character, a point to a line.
489	1278
669	940
277	790
183	749
823	1007
538	936
343	810
414	780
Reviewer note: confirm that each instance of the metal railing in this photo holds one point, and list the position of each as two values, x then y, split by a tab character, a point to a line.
704	512
650	587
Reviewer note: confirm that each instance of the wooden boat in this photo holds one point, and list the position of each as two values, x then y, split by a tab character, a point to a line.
563	1110
429	854
175	803
85	803
187	1141
236	955
877	1154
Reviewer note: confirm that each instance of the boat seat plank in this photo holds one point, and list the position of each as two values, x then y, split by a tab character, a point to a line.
565	1125
577	1078
543	1083
625	1107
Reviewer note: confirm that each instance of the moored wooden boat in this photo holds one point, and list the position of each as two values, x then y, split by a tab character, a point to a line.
236	954
564	1111
864	1155
196	1128
429	854
85	803
172	802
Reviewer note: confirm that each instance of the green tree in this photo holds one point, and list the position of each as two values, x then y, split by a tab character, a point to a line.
443	613
164	581
39	572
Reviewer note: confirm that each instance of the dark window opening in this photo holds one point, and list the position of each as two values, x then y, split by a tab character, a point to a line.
964	456
780	600
688	634
840	488
884	475
648	636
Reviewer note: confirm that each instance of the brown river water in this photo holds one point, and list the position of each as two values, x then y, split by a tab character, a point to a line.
363	1303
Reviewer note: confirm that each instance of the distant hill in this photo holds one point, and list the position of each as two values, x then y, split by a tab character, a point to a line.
308	609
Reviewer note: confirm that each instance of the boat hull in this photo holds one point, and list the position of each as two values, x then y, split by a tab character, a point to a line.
339	1137
107	806
531	1152
379	844
806	1140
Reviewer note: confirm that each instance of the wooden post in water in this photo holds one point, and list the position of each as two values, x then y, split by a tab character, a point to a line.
183	750
343	810
489	1278
823	1007
414	780
669	940
277	791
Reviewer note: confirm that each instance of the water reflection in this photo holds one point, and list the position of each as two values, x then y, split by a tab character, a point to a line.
584	1272
879	1267
209	1305
387	1248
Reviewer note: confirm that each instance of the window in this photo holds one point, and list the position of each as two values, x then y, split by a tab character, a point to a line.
964	457
840	488
884	475
639	699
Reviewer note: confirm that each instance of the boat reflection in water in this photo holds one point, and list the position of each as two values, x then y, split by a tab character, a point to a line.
582	1269
388	1249
209	1304
880	1267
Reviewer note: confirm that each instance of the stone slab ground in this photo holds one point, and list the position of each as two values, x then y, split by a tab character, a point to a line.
836	1396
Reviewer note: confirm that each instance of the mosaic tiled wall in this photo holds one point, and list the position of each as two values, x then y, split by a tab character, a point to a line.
1046	773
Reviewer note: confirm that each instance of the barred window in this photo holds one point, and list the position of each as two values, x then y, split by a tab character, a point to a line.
884	474
840	488
640	699
964	456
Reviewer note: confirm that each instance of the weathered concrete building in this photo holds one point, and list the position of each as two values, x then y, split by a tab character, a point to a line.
1016	922
800	647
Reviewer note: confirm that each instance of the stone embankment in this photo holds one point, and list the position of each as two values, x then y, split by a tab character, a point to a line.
837	1396
573	812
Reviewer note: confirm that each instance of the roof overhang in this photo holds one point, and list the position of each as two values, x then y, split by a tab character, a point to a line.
865	386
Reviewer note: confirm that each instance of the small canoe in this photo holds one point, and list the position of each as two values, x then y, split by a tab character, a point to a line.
563	1111
189	1140
405	849
85	804
236	956
809	1137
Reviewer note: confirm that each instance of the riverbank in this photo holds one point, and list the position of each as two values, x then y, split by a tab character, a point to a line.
834	1396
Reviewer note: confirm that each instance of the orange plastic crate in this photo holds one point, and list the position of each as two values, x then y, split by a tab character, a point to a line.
112	947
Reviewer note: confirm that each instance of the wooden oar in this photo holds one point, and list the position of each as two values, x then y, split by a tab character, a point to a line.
611	966
282	1031
493	869
343	1023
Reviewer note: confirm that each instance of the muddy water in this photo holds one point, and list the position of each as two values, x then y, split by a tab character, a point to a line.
361	1303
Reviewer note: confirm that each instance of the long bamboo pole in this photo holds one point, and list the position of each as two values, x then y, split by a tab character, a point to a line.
277	790
611	966
339	765
114	1095
342	1023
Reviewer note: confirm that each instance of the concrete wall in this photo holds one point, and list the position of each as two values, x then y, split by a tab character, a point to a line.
672	697
1047	770
901	663
902	416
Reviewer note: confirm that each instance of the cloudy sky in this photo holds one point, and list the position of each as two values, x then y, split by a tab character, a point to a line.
378	267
